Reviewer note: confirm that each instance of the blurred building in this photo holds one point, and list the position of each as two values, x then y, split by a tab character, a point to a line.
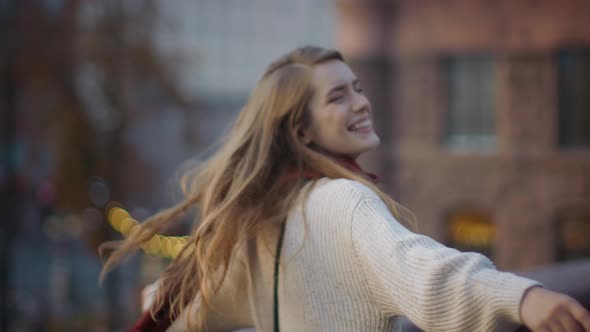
230	43
484	107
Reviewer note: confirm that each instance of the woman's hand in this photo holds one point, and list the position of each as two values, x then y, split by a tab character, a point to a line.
544	310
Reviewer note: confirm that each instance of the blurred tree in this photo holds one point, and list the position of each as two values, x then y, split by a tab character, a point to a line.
76	71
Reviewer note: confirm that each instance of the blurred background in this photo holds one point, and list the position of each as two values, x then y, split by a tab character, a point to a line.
483	108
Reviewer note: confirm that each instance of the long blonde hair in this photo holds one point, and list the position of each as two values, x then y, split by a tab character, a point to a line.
238	191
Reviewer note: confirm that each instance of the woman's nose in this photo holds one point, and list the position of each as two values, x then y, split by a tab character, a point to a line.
361	103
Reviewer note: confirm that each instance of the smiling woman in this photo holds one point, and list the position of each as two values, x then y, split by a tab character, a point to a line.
292	234
340	112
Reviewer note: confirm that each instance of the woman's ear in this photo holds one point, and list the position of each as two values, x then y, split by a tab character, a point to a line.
305	135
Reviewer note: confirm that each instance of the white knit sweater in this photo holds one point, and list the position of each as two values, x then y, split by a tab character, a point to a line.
350	266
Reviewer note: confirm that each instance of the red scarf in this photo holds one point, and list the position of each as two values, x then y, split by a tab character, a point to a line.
162	322
147	324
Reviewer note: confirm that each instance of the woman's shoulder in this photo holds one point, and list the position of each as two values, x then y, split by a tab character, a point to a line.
340	191
329	206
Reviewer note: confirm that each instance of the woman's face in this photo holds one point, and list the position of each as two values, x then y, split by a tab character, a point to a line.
341	116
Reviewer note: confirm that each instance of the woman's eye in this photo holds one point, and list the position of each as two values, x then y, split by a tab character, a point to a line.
336	98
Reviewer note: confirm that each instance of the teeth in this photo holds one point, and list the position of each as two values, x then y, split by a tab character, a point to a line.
361	125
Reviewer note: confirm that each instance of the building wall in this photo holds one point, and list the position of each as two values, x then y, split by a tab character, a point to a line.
451	25
230	43
526	182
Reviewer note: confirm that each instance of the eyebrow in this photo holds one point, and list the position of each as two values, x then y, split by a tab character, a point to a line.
341	86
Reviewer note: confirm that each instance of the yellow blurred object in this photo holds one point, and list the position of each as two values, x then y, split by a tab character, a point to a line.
154	245
158	245
472	230
116	215
126	225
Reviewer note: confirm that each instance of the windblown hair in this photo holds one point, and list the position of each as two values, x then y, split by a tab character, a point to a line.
239	190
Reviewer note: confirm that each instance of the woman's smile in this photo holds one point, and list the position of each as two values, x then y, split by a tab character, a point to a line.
363	125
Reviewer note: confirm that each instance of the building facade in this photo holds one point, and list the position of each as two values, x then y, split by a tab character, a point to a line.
484	110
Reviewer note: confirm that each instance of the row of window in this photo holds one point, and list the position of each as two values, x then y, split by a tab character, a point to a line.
471	96
472	231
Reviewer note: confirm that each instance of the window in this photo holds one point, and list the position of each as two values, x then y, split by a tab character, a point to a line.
470	120
573	234
471	231
574	98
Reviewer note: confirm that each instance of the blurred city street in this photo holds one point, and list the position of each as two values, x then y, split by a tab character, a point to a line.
483	109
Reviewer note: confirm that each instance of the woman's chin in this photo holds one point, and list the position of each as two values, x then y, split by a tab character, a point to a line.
365	147
365	139
372	142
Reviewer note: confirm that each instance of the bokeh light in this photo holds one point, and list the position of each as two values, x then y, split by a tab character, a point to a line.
99	192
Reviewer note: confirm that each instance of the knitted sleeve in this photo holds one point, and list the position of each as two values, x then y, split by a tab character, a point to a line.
437	288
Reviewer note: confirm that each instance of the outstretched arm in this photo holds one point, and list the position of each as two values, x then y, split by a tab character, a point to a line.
442	289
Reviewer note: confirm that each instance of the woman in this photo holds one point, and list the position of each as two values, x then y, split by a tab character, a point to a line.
285	184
